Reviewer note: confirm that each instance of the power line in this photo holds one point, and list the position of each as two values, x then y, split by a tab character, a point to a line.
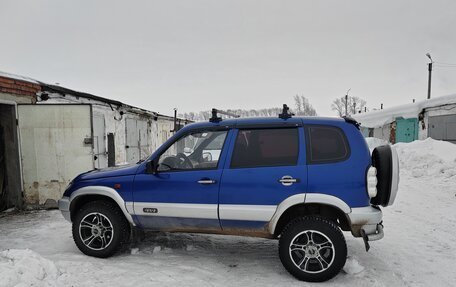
442	63
441	66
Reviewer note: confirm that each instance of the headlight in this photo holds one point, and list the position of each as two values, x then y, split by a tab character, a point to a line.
372	182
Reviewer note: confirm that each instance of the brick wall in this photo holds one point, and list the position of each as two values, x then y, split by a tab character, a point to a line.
18	87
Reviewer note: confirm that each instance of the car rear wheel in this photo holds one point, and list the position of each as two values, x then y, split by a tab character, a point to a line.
312	249
100	229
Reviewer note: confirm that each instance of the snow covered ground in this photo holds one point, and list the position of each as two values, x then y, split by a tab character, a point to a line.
419	248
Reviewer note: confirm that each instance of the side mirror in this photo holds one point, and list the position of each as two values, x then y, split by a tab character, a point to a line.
151	167
207	157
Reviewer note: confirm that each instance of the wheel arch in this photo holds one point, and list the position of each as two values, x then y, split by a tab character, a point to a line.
323	205
91	193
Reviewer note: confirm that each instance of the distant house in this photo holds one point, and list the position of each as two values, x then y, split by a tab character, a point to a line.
49	134
435	118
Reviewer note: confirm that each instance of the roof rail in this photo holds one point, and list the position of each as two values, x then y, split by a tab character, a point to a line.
285	113
215	118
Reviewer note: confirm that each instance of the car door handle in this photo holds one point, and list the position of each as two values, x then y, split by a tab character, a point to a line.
206	181
287	180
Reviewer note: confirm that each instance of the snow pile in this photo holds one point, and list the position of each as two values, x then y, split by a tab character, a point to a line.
375	142
428	157
352	266
24	267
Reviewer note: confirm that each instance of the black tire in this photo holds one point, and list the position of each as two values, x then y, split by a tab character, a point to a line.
111	215
382	161
321	230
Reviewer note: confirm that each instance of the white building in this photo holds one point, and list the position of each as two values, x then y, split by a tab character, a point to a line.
435	118
61	133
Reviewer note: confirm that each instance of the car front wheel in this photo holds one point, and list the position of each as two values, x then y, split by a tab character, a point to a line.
312	249
100	229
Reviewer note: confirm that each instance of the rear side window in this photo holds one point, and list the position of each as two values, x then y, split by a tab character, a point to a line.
327	144
265	147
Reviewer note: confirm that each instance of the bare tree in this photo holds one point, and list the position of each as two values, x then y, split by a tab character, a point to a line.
303	107
354	104
302	104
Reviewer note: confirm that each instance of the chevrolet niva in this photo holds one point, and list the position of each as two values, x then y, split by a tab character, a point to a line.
301	180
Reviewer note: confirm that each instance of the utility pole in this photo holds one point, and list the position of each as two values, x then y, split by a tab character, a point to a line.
346	103
175	121
430	73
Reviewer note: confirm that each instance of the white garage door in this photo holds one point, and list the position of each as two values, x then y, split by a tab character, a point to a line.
137	140
56	145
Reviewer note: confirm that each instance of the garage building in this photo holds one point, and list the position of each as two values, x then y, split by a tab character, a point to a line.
49	134
435	118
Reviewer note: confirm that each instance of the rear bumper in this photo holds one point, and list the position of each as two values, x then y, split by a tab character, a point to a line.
64	207
366	222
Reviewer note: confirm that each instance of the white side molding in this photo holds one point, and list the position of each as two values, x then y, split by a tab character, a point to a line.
246	212
106	191
183	210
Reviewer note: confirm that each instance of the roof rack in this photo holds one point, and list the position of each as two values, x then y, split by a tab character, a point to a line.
215	118
285	113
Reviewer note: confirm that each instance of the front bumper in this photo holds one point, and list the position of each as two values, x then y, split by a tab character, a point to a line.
64	207
366	222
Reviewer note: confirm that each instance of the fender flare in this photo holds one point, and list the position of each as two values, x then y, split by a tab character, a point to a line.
104	191
305	198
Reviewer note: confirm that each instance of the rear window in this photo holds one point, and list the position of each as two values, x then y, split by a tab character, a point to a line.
327	144
265	147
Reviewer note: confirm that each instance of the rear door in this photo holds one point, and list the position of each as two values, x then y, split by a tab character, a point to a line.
265	166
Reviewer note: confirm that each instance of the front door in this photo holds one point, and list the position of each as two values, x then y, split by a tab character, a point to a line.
183	193
266	167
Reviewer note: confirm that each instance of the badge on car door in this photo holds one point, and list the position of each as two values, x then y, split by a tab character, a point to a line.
150	210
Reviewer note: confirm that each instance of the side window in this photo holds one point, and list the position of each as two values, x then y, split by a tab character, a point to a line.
327	144
266	147
200	150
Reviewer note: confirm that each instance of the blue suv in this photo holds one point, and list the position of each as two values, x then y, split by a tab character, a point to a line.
301	180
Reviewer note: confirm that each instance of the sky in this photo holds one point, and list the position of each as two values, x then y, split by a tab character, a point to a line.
199	54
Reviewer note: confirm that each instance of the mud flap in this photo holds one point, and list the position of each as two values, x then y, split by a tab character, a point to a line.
365	239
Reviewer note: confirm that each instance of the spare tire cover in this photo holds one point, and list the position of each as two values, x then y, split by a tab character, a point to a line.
382	161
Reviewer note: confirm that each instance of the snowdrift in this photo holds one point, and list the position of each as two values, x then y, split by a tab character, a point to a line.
428	157
24	267
420	158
